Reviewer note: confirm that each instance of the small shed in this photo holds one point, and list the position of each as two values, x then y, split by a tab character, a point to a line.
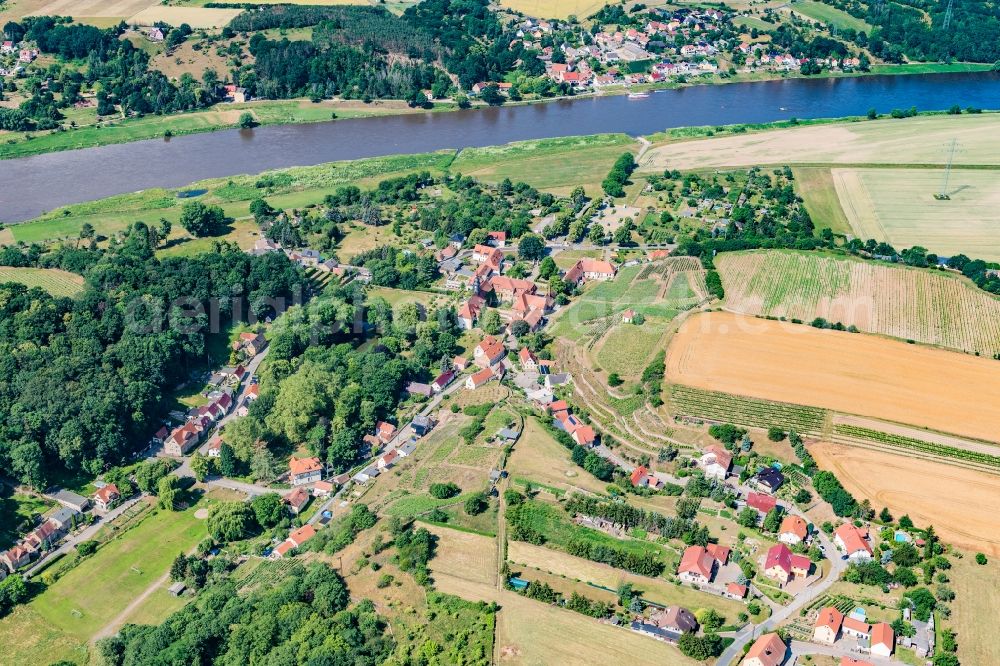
177	589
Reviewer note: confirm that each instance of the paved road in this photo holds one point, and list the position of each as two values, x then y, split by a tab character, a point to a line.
83	535
781	613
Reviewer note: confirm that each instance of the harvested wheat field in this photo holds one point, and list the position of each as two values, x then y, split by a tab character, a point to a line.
537	634
196	17
846	372
888	141
464	555
898	206
960	503
908	303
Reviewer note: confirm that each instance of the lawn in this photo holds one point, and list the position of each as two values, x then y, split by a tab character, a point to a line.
73	609
397	297
549	164
831	16
815	186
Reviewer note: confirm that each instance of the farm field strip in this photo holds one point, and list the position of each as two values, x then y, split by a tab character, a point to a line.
886	141
937	308
741	410
839	371
898	206
901	441
961	506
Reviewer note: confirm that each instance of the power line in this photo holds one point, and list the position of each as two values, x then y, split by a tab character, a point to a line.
943	195
947	15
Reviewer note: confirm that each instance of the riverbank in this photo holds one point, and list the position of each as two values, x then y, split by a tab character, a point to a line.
89	133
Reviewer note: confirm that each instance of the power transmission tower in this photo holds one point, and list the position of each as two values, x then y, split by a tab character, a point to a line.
947	15
943	195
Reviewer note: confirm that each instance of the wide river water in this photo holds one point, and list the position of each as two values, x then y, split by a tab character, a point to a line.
30	186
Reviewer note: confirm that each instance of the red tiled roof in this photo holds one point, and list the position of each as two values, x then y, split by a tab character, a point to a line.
696	560
830	617
718	553
794	525
761	502
299	466
303	534
856	625
107	493
779	555
297	497
852	538
882	634
769	649
737	589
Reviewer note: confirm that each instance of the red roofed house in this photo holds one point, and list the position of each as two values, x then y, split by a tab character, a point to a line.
526	302
387	459
294	540
385	431
477	379
305	470
590	269
719	553
460	363
496	238
184	438
696	566
768	650
160	435
716	462
442	380
761	502
214	449
827	627
558	406
528	360
793	530
853	542
16	557
322	489
883	640
628	316
735	591
297	500
105	498
782	564
585	436
641	478
506	288
482	253
489	352
856	628
468	313
252	343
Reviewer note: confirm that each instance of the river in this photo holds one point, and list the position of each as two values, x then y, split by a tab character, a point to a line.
30	186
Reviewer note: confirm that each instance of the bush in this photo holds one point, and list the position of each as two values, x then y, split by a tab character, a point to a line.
775	434
981	559
444	490
476	504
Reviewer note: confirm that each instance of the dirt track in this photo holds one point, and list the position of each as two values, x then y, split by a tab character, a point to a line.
960	503
845	372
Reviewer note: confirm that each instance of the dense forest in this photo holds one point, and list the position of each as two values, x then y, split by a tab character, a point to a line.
85	379
304	619
915	28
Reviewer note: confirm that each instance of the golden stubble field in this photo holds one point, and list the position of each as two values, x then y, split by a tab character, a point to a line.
960	503
845	372
888	141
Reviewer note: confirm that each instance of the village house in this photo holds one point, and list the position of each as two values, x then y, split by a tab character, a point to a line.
294	540
768	650
793	530
304	470
477	379
489	352
235	94
883	640
297	500
586	270
496	238
853	542
783	565
442	380
155	35
763	503
697	566
716	462
214	448
675	618
768	479
628	316
643	478
251	343
468	313
719	553
16	557
65	518
387	459
506	288
460	363
735	591
44	536
70	499
322	489
856	628
528	360
385	431
421	425
183	439
526	302
107	497
827	627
